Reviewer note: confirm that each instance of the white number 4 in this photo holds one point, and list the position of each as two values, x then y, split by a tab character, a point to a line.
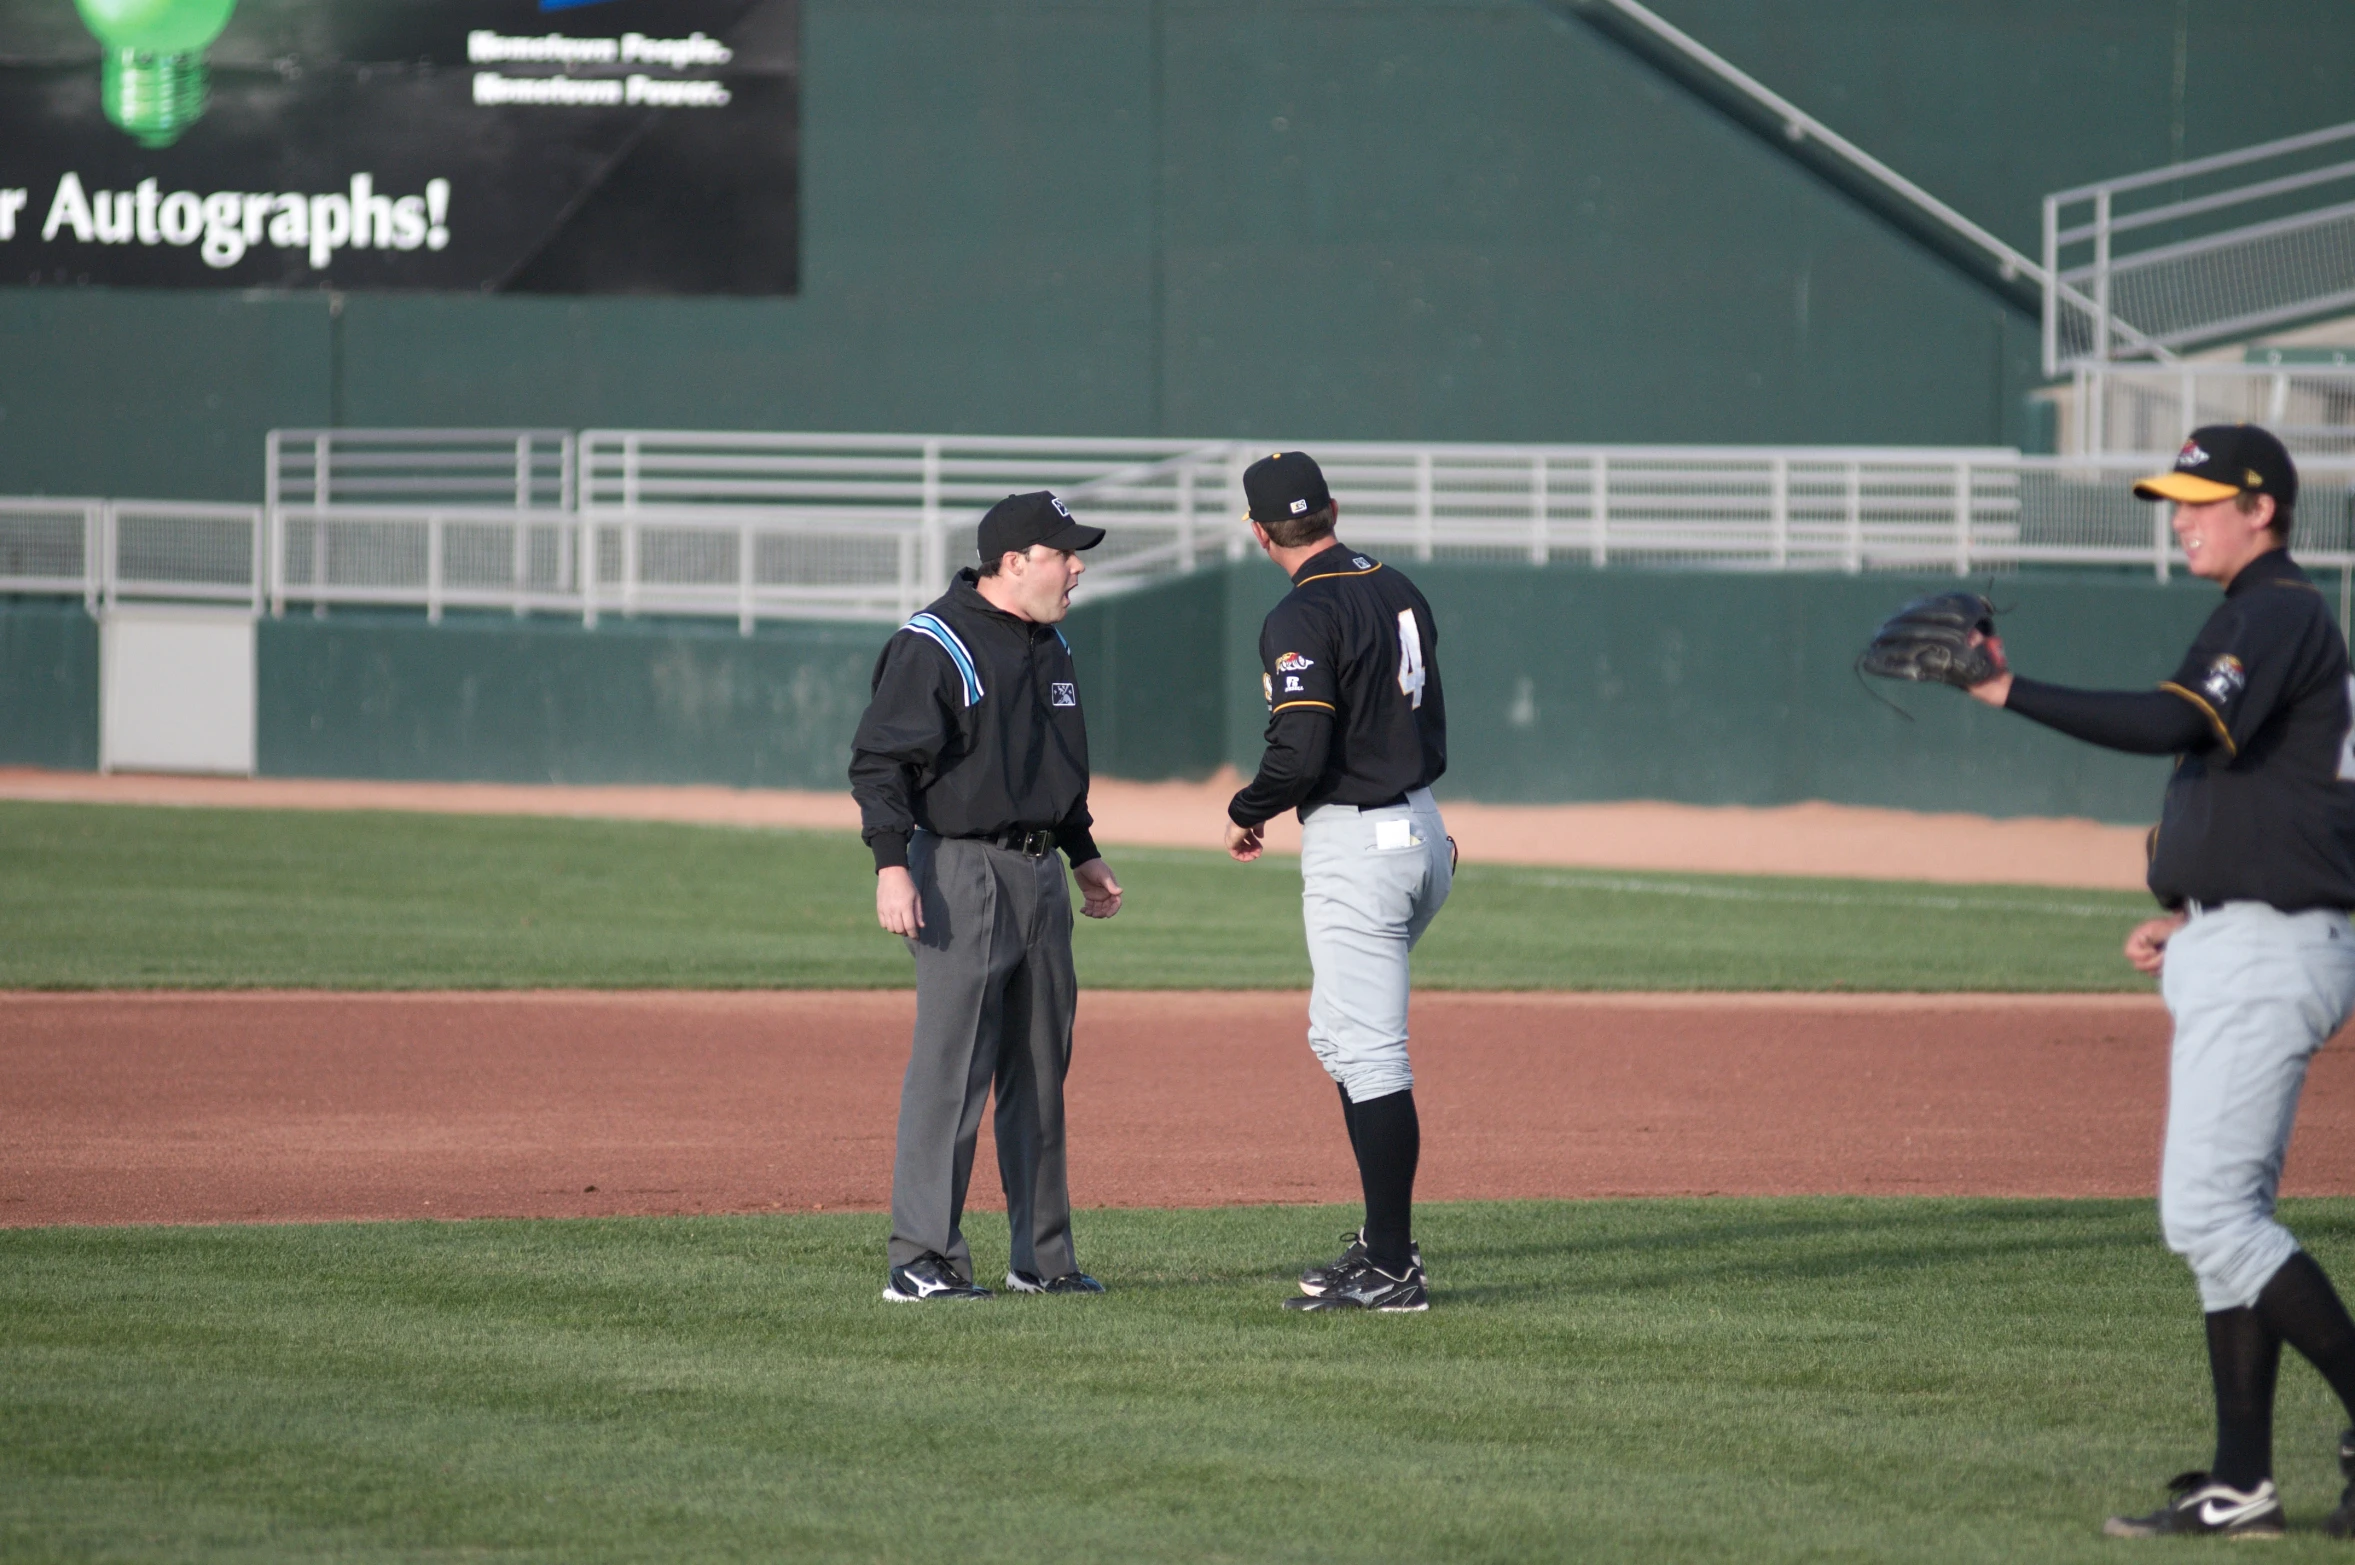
1410	657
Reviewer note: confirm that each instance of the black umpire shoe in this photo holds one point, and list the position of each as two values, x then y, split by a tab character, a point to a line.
1318	1280
929	1277
1069	1282
1364	1286
2341	1522
2198	1506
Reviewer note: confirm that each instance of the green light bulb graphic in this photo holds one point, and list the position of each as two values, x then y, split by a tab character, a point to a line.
153	80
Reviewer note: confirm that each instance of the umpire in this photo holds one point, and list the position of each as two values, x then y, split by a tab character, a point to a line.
970	769
1356	734
2254	856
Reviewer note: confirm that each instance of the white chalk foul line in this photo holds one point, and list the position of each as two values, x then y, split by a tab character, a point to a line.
1927	904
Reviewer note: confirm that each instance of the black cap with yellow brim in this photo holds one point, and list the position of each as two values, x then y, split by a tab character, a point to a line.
2220	461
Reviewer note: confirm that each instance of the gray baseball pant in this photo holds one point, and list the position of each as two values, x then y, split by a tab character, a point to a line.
2254	992
995	996
1371	881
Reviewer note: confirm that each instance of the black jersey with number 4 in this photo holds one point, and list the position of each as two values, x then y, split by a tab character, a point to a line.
1350	668
2265	811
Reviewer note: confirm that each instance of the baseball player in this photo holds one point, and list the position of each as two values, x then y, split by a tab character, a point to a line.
2254	856
971	770
1356	734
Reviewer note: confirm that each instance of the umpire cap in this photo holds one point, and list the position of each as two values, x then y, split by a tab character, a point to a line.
1020	520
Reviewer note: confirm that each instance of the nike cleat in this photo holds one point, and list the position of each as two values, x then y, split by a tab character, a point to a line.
929	1277
1069	1282
2197	1506
1318	1279
1364	1286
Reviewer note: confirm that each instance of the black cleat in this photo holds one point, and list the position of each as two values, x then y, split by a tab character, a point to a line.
1069	1282
929	1277
2197	1506
1317	1280
2341	1522
1364	1286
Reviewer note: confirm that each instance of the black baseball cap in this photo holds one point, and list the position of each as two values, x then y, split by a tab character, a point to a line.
1020	520
2223	460
1285	484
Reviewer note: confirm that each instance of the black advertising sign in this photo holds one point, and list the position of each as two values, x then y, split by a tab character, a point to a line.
523	146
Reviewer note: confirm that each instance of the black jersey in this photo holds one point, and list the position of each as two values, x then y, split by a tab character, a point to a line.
1350	668
974	730
2265	811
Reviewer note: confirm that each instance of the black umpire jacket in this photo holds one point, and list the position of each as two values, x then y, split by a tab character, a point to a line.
974	730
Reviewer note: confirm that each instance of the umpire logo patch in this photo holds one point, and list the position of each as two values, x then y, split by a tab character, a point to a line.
1061	694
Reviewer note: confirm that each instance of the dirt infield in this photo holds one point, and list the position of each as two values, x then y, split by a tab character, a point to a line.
1798	839
188	1108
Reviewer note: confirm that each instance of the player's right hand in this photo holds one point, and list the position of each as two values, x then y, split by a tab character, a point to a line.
897	906
1244	843
2146	948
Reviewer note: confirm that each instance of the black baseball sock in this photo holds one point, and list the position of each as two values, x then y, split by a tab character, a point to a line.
2302	1308
1349	1118
2244	1357
1389	1144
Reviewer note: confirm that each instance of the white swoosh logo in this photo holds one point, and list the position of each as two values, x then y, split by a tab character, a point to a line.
2216	1514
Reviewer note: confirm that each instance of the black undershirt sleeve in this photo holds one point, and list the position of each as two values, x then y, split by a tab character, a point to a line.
1298	742
1073	836
2141	722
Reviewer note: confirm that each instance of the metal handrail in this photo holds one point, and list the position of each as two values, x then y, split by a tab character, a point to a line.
2302	142
2088	288
1799	125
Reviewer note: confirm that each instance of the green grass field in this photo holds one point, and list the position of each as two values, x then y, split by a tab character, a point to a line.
1640	1381
108	896
1654	1381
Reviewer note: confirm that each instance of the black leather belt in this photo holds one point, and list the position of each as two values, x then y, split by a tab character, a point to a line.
1030	844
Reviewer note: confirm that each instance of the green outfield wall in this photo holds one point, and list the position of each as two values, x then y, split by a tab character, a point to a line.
48	685
498	699
1389	219
1563	684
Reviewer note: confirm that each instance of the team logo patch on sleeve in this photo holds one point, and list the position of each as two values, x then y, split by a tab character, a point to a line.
1293	663
1267	688
1061	694
2226	679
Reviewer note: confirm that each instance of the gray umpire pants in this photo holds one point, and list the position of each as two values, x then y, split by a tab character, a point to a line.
995	996
2254	992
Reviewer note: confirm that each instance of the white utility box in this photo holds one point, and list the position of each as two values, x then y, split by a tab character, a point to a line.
176	689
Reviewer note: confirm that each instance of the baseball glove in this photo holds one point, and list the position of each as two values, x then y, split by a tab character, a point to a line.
1932	640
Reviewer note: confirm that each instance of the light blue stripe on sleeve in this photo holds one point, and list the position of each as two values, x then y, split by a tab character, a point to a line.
933	626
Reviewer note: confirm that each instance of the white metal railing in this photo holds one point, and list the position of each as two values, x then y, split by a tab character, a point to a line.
2200	252
2142	407
53	546
832	490
108	551
507	469
748	527
183	550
